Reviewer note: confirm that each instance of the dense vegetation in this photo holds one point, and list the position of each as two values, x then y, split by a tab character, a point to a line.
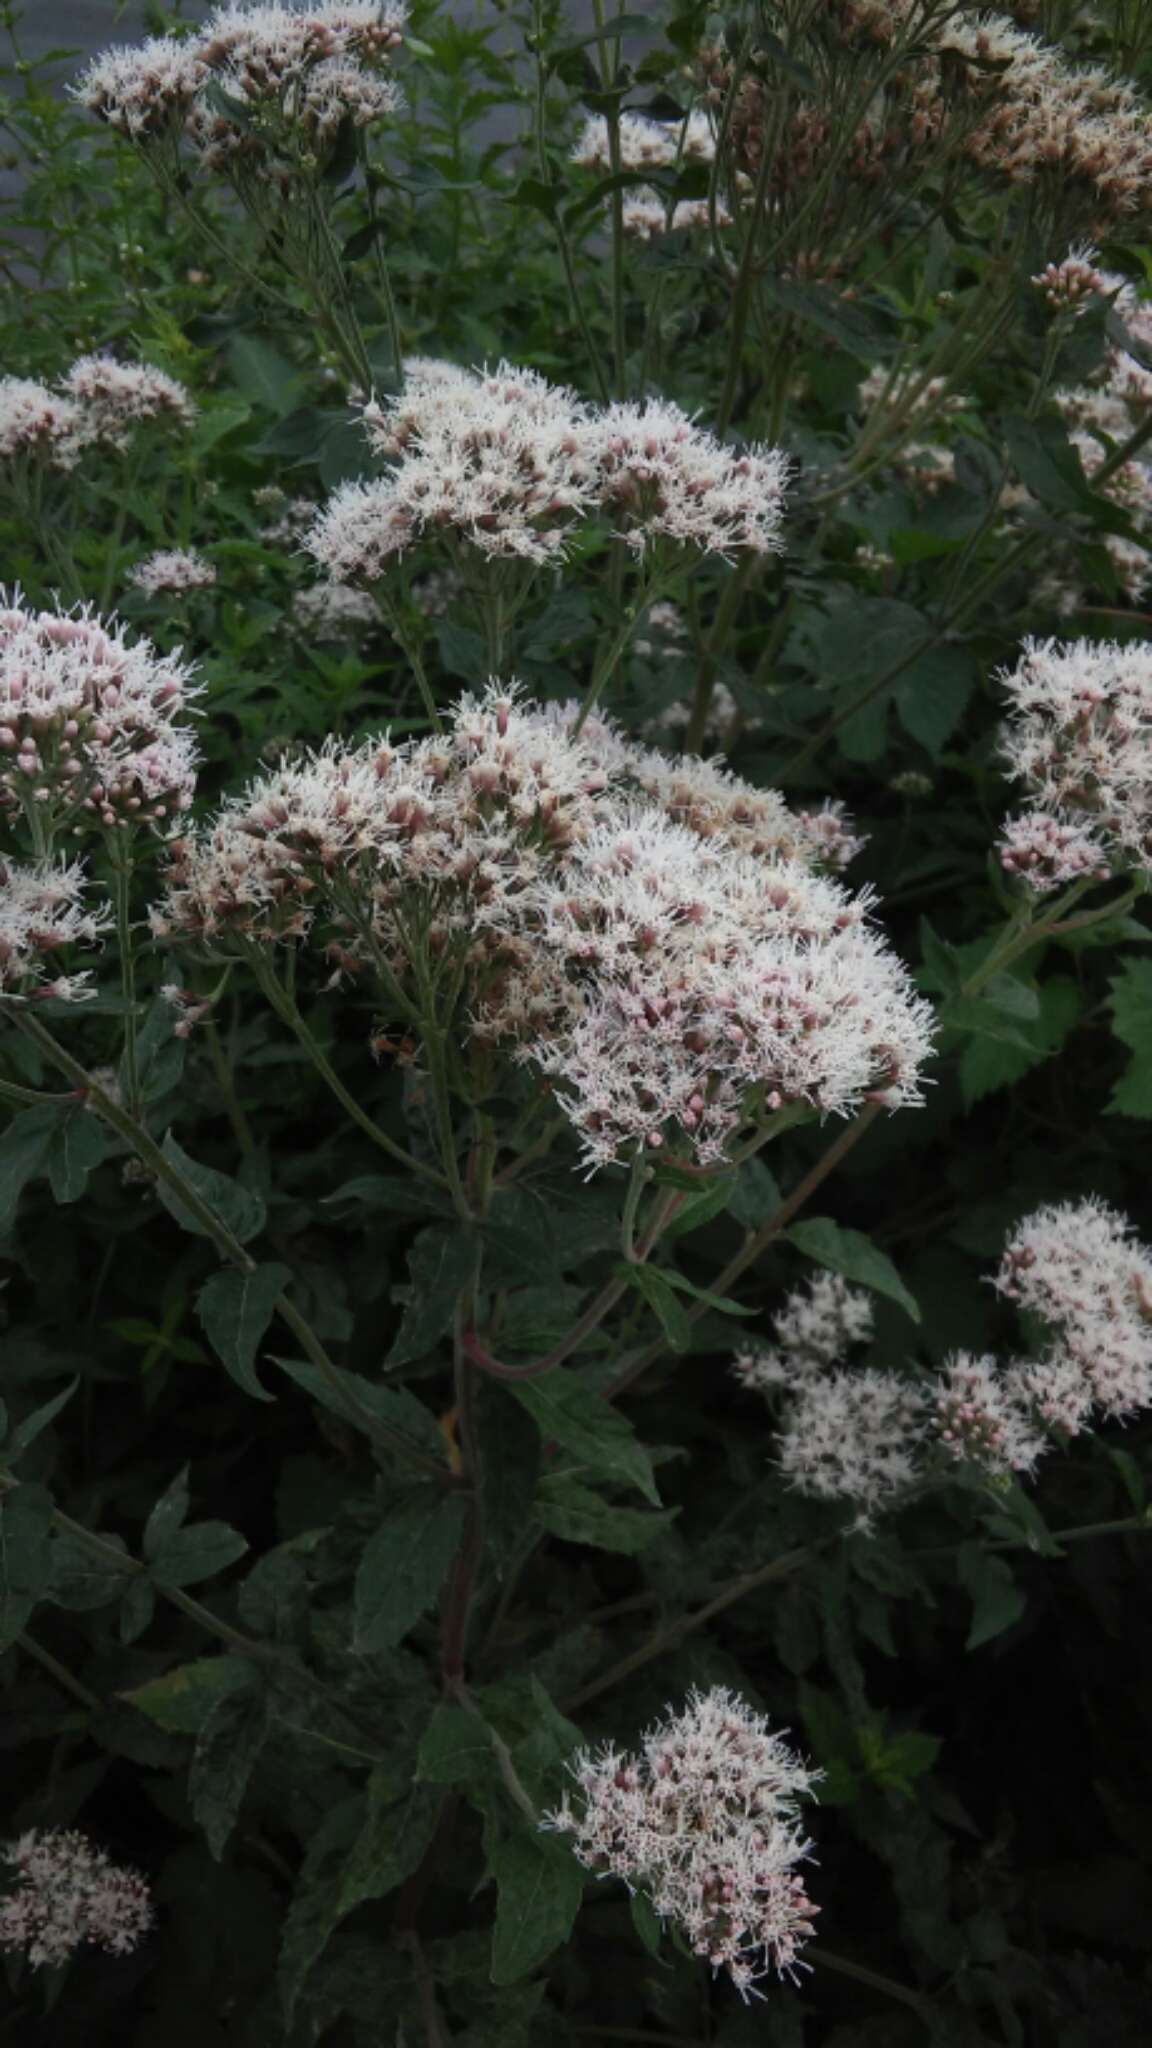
576	1028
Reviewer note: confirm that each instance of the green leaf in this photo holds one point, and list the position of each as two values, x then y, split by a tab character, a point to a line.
700	1209
361	1851
987	1064
567	1409
855	1256
660	1295
235	1310
576	1514
646	1921
722	1303
361	1403
26	1432
168	1515
385	1191
1131	1001
404	1566
183	1698
539	1887
456	1749
509	1455
238	1209
261	373
25	1556
756	1195
997	1600
227	1749
80	1142
441	1264
932	696
24	1149
198	1552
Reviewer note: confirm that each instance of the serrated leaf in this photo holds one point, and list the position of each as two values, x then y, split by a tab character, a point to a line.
168	1515
855	1256
237	1208
646	1921
361	1403
997	1600
539	1887
361	1851
227	1749
441	1263
403	1567
183	1698
509	1457
565	1407
26	1432
1131	1003
456	1749
987	1064
235	1310
198	1552
24	1149
578	1515
660	1295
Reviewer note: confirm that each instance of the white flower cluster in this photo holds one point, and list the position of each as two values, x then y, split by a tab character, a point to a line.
172	569
872	1438
509	465
1103	413
254	83
41	914
1079	737
817	1326
1069	284
703	1823
335	611
90	723
647	145
673	965
98	402
67	1894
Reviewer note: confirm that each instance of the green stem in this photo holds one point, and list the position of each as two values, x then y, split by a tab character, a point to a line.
383	276
823	1958
608	73
60	1672
121	858
284	1005
606	667
666	1638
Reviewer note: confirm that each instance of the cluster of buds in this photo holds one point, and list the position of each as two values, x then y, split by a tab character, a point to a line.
68	1895
1068	285
90	723
703	1824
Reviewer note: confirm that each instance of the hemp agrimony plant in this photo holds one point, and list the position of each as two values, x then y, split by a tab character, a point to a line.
575	811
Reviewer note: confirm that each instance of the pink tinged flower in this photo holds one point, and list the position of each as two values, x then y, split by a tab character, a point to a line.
90	722
115	397
1048	852
67	1894
856	1438
703	1822
38	422
174	570
980	1419
42	915
1079	737
664	478
819	1324
1076	1267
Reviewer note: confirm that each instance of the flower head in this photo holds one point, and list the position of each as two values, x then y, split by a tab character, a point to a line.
90	721
115	396
1079	737
39	422
816	1328
173	569
703	1823
664	478
42	915
67	1894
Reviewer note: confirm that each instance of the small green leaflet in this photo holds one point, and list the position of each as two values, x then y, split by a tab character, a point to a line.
855	1256
235	1310
404	1565
565	1408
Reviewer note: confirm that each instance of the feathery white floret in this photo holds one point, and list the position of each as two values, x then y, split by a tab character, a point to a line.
703	1822
172	569
66	1894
